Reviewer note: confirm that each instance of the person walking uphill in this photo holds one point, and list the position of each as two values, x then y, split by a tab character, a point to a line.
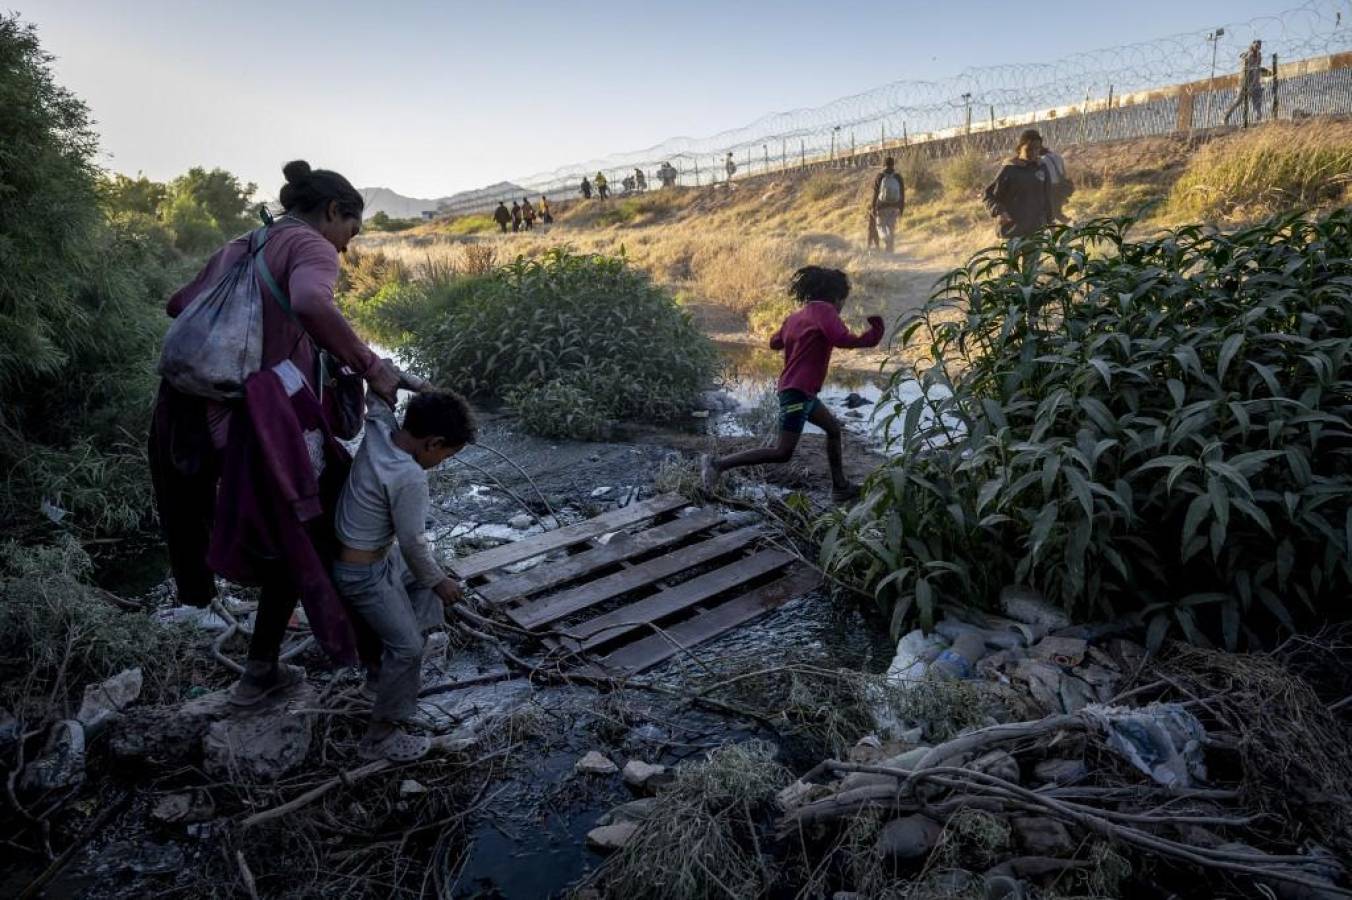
586	188
1019	198
602	186
889	200
1251	74
807	338
502	216
516	216
247	472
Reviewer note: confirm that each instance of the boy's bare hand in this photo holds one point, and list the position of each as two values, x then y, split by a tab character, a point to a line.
449	591
385	382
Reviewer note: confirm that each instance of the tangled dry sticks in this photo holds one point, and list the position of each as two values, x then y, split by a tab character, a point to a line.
1276	760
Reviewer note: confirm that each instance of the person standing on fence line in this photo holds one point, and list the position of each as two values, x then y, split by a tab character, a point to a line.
586	188
516	217
502	216
666	173
602	186
1018	198
730	167
889	199
640	180
1059	185
527	213
546	216
1251	74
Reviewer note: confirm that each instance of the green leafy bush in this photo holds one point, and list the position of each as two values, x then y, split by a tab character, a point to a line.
586	330
1154	428
473	224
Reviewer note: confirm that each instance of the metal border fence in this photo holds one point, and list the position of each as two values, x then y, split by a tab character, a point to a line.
1183	83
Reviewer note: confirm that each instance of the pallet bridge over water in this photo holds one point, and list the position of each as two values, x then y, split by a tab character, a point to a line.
636	585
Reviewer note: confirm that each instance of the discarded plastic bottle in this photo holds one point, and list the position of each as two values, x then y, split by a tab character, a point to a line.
959	660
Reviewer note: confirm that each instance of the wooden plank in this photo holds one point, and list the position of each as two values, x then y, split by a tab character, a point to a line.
617	623
565	603
497	557
648	652
617	551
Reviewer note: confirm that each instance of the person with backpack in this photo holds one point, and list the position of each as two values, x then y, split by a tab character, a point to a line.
1250	94
546	214
586	188
502	216
1018	199
602	186
516	217
527	213
730	168
243	448
1059	185
889	199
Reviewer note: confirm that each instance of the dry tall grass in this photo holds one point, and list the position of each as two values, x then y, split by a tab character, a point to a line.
729	253
1265	170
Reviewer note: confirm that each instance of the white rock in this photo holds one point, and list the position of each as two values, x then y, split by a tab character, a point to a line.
602	491
184	808
609	838
102	702
409	787
521	521
62	763
260	744
595	763
638	774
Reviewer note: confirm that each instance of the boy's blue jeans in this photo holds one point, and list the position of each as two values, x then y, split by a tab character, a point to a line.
397	609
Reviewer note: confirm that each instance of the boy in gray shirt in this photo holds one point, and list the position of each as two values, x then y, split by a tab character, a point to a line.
397	594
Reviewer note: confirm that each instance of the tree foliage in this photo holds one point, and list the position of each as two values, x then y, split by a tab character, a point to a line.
1154	428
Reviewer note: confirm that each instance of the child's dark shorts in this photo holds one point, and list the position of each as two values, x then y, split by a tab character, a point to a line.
794	408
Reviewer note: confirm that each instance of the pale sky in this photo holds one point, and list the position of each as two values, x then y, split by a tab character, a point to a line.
430	98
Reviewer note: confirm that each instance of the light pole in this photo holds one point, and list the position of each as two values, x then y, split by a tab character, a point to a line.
833	142
967	101
1215	39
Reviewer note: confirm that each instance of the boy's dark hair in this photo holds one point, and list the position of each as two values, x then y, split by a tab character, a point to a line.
443	414
819	283
1028	135
308	188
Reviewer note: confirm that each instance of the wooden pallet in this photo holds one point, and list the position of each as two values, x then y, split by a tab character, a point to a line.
636	585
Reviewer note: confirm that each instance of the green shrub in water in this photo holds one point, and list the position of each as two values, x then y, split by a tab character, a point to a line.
560	335
1154	428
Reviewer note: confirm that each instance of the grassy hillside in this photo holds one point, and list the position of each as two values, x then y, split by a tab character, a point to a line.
728	253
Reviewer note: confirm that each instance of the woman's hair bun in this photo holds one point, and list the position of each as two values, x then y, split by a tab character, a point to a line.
296	171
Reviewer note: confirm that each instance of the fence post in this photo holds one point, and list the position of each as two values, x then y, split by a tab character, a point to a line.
802	154
1084	109
905	140
696	171
748	160
1275	84
1108	114
851	146
783	154
882	136
766	149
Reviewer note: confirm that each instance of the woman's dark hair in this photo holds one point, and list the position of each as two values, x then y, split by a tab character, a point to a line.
307	189
1027	136
443	414
819	283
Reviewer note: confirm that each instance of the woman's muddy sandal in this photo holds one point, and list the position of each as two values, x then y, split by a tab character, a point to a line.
397	746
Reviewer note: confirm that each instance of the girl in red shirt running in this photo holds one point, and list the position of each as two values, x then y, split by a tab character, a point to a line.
807	338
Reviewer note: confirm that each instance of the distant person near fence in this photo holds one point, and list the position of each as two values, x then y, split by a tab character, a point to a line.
640	180
602	186
527	213
666	173
502	216
889	199
1251	74
586	188
546	214
730	167
1018	198
516	217
1059	185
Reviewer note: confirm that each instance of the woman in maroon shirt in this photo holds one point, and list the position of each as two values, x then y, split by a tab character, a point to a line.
189	434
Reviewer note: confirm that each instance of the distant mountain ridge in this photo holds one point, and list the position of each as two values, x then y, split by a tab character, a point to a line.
398	206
